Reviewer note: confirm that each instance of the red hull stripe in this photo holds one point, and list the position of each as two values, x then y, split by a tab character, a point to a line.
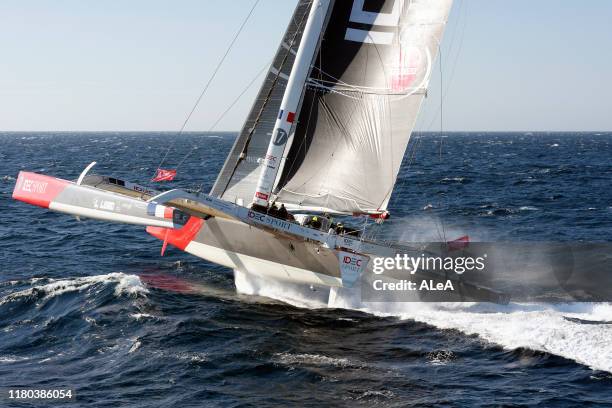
179	238
38	189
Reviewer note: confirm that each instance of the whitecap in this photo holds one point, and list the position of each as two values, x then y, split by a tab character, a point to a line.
125	284
194	357
12	359
134	347
376	394
441	357
313	360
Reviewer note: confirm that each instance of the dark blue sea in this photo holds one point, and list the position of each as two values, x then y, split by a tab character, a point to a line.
92	306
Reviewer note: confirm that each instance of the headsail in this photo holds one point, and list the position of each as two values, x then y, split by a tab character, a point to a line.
360	106
238	178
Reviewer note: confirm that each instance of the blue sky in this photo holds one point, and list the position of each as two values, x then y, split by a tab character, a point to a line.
140	64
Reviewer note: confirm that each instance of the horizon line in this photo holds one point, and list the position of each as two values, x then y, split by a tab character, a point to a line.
238	131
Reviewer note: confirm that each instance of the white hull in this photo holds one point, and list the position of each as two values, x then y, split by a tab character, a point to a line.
260	267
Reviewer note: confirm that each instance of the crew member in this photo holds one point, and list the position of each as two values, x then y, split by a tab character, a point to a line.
282	212
315	222
273	210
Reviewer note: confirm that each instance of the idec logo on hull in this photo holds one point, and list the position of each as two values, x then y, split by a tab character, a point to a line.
37	189
351	267
256	216
353	261
34	186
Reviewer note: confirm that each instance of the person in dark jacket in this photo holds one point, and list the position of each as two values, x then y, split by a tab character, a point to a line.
282	212
273	210
315	222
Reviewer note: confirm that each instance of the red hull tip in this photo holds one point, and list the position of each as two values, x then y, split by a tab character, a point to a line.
37	189
178	238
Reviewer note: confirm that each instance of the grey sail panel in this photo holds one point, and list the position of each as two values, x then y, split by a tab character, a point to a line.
361	103
238	178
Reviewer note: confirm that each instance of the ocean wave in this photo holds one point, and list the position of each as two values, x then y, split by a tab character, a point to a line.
125	285
12	359
541	328
143	316
375	393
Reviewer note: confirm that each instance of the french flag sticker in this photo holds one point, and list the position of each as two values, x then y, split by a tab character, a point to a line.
280	114
290	117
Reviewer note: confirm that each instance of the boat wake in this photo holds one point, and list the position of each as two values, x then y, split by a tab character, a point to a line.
558	329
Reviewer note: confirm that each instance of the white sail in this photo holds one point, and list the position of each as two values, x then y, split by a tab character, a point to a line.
365	91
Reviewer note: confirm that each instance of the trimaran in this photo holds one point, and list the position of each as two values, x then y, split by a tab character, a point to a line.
327	134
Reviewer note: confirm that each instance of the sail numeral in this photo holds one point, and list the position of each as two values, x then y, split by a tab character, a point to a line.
361	16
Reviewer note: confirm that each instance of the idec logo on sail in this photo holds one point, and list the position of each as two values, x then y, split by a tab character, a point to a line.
405	72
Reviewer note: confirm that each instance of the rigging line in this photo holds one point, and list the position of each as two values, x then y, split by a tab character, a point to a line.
441	104
229	108
441	135
455	62
444	92
210	80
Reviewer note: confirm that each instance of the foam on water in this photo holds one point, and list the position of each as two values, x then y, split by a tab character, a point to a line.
291	359
125	285
540	327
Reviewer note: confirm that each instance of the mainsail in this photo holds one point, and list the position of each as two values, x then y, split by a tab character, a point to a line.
358	108
238	177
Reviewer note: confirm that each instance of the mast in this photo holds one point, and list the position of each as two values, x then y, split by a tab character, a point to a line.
291	100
